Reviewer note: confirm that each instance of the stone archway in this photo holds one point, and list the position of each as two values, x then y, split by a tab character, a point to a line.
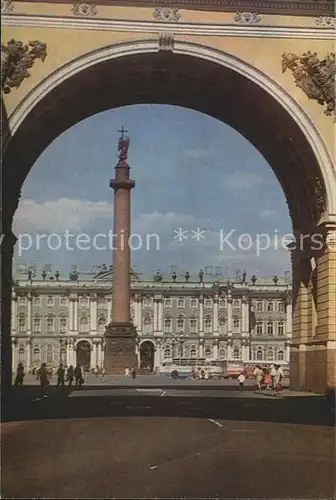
147	351
230	90
83	355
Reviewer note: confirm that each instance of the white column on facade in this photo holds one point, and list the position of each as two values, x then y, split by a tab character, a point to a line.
215	351
93	314
68	354
201	348
201	317
93	356
229	317
215	315
160	316
157	356
229	352
109	310
102	354
156	314
134	306
14	313
139	302
14	355
244	315
29	314
75	321
287	352
28	355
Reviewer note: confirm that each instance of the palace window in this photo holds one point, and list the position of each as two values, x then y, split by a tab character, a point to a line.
236	354
270	330
36	355
84	301
180	303
63	301
63	324
49	354
50	324
208	323
22	301
208	352
50	301
22	353
193	303
193	351
281	307
259	355
222	303
208	303
167	302
270	307
186	351
37	302
101	324
236	325
22	323
270	354
281	356
168	325
281	328
84	324
222	354
193	325
222	324
180	323
147	302
259	328
147	324
236	303
259	306
37	324
167	353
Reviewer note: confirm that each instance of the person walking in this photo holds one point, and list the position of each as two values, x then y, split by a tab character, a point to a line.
60	376
258	373
268	380
44	381
241	381
273	373
19	375
103	375
78	376
278	379
96	371
133	373
70	375
127	372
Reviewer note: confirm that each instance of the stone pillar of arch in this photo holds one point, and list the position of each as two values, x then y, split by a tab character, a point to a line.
313	350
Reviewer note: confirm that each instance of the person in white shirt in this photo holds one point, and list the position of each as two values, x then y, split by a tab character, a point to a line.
258	373
278	378
127	372
273	373
241	380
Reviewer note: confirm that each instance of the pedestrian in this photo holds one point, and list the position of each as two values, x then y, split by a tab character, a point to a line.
96	371
78	376
60	376
127	372
268	380
133	373
273	373
103	375
258	373
241	380
202	374
70	375
19	375
44	381
277	379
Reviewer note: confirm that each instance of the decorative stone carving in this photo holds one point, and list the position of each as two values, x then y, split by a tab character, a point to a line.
314	76
16	59
319	195
166	14
84	9
331	240
326	22
247	18
6	6
166	43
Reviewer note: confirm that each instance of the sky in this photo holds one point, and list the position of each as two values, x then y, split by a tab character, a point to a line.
192	173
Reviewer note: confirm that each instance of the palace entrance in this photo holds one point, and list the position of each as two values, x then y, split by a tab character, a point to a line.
83	355
225	86
147	350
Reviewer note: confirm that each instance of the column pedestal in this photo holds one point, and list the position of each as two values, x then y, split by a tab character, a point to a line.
120	347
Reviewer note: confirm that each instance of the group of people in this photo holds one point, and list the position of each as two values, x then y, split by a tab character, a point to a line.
266	378
130	373
200	373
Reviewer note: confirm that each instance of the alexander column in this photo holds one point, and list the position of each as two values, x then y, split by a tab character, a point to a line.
120	334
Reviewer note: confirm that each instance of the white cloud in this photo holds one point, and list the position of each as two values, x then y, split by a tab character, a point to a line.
266	213
242	181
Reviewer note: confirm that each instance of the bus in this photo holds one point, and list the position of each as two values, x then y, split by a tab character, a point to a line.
186	367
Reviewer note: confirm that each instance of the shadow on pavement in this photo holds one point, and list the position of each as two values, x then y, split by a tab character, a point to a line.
63	403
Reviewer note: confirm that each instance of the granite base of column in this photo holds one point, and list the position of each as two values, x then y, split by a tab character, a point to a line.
120	348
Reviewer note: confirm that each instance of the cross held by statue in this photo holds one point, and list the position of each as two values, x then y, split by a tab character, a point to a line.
123	131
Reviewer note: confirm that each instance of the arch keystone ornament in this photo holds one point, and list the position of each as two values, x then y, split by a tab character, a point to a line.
16	59
314	76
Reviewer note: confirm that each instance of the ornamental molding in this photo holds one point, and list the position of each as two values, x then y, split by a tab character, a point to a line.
331	240
84	9
181	28
7	6
314	76
247	18
326	22
166	42
16	59
166	14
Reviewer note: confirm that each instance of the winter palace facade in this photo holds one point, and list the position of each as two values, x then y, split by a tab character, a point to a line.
56	320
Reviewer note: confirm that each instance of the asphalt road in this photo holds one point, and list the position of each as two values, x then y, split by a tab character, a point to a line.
160	457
